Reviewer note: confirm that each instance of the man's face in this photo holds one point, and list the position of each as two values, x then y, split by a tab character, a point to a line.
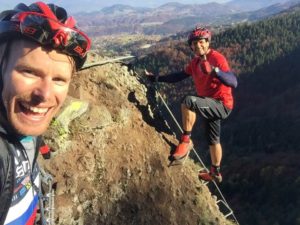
200	47
35	85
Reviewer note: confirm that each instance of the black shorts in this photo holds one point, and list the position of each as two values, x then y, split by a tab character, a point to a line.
212	111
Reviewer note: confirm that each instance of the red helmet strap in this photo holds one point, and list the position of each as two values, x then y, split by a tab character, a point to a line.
48	12
70	22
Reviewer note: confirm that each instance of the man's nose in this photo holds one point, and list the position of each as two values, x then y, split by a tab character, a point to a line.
44	90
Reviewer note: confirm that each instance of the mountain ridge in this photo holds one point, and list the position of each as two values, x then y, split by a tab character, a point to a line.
169	18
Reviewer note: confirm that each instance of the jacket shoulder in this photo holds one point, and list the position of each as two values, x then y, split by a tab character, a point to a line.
6	178
217	54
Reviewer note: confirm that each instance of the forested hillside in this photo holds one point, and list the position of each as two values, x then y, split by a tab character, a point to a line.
247	45
255	45
261	153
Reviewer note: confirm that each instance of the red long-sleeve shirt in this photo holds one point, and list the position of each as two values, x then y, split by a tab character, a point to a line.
211	86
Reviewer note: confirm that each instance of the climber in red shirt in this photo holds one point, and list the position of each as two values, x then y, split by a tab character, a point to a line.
214	101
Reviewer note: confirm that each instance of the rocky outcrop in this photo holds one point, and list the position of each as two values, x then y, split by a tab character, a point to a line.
114	167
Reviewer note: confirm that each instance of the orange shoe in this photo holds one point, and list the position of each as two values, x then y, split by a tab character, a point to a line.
183	148
211	175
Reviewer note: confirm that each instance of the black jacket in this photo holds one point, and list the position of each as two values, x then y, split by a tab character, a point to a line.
8	144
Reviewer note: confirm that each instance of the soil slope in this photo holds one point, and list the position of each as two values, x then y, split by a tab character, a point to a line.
110	164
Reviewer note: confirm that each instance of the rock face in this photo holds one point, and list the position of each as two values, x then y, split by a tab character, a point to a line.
110	162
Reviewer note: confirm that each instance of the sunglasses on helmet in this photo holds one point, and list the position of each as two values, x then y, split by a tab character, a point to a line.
48	31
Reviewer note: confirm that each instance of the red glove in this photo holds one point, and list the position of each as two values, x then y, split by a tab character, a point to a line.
205	67
45	151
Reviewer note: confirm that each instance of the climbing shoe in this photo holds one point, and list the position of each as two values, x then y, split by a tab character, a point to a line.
212	175
183	149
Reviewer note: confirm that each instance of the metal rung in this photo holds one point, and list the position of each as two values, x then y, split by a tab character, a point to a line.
205	182
227	206
228	214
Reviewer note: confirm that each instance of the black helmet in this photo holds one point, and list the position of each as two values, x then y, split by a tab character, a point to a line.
47	24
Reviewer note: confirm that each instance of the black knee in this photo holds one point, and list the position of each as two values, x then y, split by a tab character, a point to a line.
190	102
213	141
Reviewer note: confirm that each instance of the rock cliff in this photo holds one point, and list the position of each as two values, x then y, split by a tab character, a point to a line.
110	159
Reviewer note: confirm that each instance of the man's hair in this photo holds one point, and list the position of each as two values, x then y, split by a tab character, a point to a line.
4	54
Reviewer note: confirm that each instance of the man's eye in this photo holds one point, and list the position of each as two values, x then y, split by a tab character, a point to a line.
60	81
28	72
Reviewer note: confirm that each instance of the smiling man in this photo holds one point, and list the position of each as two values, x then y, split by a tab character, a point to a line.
213	103
33	92
40	48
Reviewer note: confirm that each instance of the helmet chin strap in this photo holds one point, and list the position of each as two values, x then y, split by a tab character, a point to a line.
3	56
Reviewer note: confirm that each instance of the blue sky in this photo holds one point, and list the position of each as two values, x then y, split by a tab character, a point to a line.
98	4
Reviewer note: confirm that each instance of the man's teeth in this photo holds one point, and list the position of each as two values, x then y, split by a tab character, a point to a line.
35	109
